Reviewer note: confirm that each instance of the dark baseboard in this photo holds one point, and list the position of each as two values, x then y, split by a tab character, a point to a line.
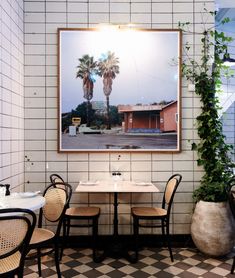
182	241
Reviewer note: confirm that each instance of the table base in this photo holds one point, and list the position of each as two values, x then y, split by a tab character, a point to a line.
116	249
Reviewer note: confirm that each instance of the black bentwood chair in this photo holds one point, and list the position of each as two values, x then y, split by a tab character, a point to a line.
45	241
75	217
156	213
55	178
16	228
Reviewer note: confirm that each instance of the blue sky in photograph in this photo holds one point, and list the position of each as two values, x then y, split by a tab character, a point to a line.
147	74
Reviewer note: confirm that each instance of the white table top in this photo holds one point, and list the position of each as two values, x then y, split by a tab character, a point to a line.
116	186
32	203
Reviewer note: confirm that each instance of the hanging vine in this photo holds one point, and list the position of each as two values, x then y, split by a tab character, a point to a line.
213	152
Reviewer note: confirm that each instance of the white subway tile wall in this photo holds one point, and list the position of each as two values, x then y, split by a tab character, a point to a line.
42	18
12	93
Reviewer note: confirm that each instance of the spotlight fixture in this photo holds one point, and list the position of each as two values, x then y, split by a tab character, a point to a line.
115	27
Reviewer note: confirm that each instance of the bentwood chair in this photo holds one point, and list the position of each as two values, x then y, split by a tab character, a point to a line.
44	241
55	178
79	217
231	199
16	228
142	215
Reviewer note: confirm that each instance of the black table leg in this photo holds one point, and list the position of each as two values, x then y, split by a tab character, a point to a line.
115	216
116	249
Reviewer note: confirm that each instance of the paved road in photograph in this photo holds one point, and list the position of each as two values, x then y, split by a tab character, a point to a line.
119	141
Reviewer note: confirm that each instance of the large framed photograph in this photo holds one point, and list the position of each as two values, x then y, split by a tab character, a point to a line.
119	89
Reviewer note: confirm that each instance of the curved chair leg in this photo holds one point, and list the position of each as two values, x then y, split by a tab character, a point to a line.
64	238
233	265
39	262
163	233
94	236
168	240
68	227
20	273
136	237
66	230
57	261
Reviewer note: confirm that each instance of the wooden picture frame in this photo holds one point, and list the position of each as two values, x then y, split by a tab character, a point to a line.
119	89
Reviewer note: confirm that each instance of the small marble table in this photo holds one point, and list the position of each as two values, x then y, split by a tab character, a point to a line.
115	187
17	201
111	186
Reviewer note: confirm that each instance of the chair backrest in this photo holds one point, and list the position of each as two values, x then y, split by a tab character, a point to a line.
57	200
16	228
55	178
170	189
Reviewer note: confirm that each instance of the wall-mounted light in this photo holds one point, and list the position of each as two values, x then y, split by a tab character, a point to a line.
115	27
130	25
107	27
228	61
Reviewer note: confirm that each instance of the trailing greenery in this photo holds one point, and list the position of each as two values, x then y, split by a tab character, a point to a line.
213	152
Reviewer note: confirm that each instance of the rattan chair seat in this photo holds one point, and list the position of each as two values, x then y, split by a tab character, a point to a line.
10	263
82	211
148	211
40	235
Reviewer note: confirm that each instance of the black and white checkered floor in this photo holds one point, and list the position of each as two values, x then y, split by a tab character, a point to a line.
153	262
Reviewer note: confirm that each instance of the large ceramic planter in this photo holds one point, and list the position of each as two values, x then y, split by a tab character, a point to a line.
213	228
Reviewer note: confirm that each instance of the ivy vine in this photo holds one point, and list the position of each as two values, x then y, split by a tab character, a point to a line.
213	152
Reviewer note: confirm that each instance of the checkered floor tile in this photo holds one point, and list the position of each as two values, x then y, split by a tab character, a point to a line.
153	262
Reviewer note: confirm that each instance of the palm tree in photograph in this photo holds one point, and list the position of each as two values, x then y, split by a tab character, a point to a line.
108	69
87	71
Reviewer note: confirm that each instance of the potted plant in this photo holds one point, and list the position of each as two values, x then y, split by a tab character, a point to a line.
212	227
